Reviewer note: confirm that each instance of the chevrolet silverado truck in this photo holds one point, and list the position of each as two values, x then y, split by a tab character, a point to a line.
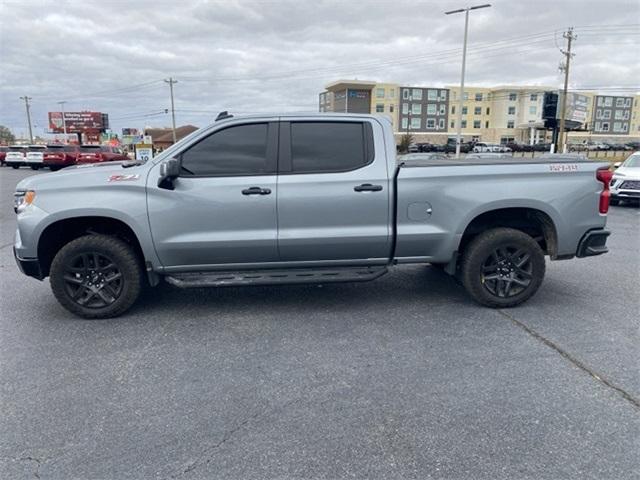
289	199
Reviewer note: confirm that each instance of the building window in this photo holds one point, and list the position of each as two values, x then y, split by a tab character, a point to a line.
608	101
512	111
416	109
618	114
405	122
477	111
478	97
533	110
416	94
431	123
392	93
379	108
432	94
443	109
606	115
617	126
464	110
605	126
390	108
415	123
513	97
405	94
600	101
486	124
405	108
510	124
533	97
625	127
465	96
443	95
627	102
441	124
619	103
379	92
476	124
625	116
463	124
453	110
453	124
431	109
488	110
598	114
598	127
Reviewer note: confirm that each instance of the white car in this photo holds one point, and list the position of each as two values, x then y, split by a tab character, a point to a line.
16	156
489	148
35	156
625	184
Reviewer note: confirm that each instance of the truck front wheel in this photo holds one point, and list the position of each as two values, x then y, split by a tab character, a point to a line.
96	276
502	267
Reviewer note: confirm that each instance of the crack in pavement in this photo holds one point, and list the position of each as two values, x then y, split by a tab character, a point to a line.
598	377
205	456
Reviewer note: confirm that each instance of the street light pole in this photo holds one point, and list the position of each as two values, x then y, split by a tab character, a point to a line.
64	120
26	103
464	62
171	81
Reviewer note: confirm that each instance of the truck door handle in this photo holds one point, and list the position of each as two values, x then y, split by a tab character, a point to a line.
256	191
367	187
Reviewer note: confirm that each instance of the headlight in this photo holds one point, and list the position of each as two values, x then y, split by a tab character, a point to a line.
22	199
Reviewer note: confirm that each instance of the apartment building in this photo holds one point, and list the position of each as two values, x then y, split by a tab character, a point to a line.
424	110
612	115
500	114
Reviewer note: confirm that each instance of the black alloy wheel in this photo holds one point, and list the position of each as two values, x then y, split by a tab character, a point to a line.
93	280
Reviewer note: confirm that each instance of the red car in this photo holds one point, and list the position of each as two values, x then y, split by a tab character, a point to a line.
3	153
100	153
58	156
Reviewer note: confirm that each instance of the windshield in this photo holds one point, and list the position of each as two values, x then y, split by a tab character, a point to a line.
633	161
90	148
37	148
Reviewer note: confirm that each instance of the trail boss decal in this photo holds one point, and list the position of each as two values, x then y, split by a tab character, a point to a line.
563	167
123	178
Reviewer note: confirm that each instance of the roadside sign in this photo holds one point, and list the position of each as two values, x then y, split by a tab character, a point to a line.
148	140
144	152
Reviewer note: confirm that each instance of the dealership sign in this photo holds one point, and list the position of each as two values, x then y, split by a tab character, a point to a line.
77	122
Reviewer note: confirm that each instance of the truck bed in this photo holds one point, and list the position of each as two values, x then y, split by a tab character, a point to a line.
439	160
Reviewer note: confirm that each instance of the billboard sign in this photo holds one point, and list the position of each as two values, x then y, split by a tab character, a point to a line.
576	108
78	122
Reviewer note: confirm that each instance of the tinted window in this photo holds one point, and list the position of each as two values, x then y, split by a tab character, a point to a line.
327	146
239	150
90	148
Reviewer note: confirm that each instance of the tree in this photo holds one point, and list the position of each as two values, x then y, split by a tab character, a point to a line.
5	135
405	142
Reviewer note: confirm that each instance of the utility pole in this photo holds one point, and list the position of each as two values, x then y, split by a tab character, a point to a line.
464	62
560	147
26	104
64	120
171	81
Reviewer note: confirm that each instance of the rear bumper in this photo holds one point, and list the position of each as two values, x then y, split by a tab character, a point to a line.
594	242
29	266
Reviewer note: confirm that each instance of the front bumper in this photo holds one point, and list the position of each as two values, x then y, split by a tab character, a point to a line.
594	242
29	266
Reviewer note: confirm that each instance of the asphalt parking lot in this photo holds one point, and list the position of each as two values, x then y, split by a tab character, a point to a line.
403	377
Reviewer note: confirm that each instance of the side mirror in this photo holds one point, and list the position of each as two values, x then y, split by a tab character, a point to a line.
617	164
169	171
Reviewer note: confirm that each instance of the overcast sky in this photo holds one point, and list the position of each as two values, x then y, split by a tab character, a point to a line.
272	55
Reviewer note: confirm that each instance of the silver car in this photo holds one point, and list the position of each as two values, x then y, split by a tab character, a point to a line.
625	184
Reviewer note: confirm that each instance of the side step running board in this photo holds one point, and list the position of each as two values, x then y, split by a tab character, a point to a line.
275	277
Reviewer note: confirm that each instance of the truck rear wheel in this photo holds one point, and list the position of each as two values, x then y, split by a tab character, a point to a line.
502	267
96	276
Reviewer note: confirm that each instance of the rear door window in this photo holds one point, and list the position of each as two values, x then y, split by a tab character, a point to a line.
326	147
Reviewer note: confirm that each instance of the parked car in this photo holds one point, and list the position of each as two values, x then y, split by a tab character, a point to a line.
303	199
597	146
542	147
633	145
482	147
519	147
16	156
35	156
100	153
58	156
450	147
625	184
3	153
425	147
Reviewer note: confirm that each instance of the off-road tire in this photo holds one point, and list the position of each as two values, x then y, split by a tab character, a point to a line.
122	255
481	250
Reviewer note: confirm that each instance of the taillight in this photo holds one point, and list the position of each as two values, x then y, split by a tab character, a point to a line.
604	175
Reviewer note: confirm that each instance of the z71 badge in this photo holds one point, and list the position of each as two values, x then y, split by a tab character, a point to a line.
123	178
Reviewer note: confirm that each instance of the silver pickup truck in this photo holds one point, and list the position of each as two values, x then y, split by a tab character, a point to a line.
303	199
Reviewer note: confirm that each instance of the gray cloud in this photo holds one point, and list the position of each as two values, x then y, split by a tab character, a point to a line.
245	56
